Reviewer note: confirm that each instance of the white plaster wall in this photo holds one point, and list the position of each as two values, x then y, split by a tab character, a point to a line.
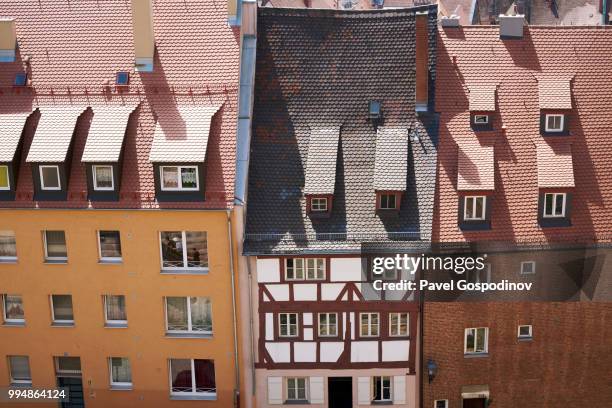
396	350
330	351
279	352
330	291
305	352
279	292
364	351
268	270
345	269
305	291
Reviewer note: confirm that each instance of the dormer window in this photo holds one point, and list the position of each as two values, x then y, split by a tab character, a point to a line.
122	78
318	204
554	205
375	110
103	178
179	178
388	201
482	106
5	183
554	122
21	79
555	102
50	177
481	119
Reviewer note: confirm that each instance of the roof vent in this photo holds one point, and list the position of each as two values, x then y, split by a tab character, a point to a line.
21	79
122	78
511	27
452	21
144	40
375	110
8	40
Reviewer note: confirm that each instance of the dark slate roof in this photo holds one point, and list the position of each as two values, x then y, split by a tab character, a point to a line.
390	165
320	68
321	160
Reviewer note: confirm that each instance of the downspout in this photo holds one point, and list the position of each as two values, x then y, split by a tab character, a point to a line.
234	315
422	346
604	12
252	336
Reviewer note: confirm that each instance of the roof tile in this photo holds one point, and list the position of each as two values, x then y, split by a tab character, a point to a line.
476	167
555	168
54	133
12	128
482	98
106	133
391	163
321	161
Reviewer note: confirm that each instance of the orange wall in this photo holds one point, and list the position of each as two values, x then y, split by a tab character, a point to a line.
139	279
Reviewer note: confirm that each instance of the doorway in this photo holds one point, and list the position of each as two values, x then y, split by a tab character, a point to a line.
475	403
68	375
340	390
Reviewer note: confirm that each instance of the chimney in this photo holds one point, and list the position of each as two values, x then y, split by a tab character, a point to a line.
233	12
144	39
452	21
511	27
422	61
8	40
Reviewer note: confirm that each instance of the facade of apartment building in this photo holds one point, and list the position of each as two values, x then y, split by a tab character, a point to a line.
117	134
342	167
523	177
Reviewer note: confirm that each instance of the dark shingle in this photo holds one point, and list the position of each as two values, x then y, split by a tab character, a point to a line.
321	161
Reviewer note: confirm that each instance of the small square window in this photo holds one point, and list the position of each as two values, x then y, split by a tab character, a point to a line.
328	324
103	178
193	377
55	246
189	315
288	324
115	314
297	389
179	178
12	308
554	205
481	119
21	79
184	251
375	109
8	246
398	324
554	123
19	369
50	178
4	178
441	404
525	331
120	373
475	208
122	78
388	201
528	268
318	204
476	340
110	246
369	324
61	309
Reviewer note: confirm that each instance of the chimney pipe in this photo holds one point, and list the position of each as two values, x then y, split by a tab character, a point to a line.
144	38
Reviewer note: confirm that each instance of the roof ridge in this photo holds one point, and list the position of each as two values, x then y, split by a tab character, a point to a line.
336	13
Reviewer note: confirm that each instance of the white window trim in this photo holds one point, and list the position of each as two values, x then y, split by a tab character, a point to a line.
442	400
318	199
8	179
394	201
60	321
533	270
15	381
183	268
42	179
486	121
54	258
383	399
484	208
297	325
554	198
306	389
193	381
95	179
370	324
518	331
305	269
486	340
108	258
10	258
4	315
328	325
548	115
118	384
109	321
399	323
180	180
189	323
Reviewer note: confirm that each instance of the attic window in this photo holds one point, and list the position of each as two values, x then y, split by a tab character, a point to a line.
388	201
481	119
554	122
375	110
122	78
21	79
318	204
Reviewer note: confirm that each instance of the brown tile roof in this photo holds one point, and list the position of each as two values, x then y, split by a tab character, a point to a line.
391	159
482	98
555	168
554	94
321	161
12	127
476	167
106	133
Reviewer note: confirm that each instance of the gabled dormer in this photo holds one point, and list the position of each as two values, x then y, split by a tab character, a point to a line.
11	140
390	168
50	153
320	178
103	151
555	103
482	107
555	183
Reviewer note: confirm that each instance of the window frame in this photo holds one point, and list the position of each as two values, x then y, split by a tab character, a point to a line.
382	394
554	115
180	179
369	324
119	384
12	380
445	401
94	172
10	259
533	270
399	334
56	259
288	324
327	325
108	259
42	179
320	200
114	323
61	322
521	336
8	178
296	388
554	198
387	208
474	206
475	351
185	267
305	269
476	116
193	391
189	330
5	318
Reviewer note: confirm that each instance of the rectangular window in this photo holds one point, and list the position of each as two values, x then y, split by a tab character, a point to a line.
474	208
554	205
55	246
476	340
8	246
120	372
441	404
328	324
288	324
524	331
109	244
554	123
528	268
398	324
50	178
381	388
189	314
179	178
61	309
103	178
369	324
114	310
388	202
192	377
19	370
4	178
314	268
12	307
184	249
296	389
66	366
481	119
318	204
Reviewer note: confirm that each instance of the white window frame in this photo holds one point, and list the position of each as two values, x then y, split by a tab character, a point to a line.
445	401
118	384
5	318
327	325
533	269
193	380
523	336
185	266
369	324
486	340
180	180
550	115
297	325
95	178
120	323
554	200
61	321
321	204
55	258
399	315
387	207
305	268
485	122
108	258
486	270
14	381
189	323
8	179
474	200
383	399
306	390
42	179
10	258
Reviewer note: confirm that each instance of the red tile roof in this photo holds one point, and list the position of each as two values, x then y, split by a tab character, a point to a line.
76	48
481	57
482	98
555	94
12	125
106	133
476	167
555	167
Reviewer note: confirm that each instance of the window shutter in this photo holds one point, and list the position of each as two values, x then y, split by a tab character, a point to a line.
316	390
363	390
275	390
399	389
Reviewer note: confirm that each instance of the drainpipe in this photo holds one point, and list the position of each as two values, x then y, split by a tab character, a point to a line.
604	12
234	316
422	346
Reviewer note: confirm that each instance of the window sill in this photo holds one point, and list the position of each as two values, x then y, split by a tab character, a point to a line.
14	324
117	387
382	402
56	261
193	397
525	338
185	271
296	402
109	325
110	261
8	260
190	335
21	385
62	324
475	355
